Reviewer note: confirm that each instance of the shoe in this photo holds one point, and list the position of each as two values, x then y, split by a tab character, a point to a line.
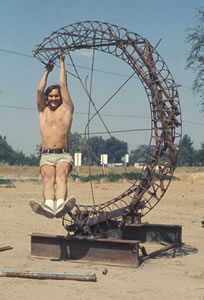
65	207
42	209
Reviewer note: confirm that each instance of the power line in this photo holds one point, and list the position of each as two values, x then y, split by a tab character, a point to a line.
79	113
113	131
16	53
104	115
78	66
17	107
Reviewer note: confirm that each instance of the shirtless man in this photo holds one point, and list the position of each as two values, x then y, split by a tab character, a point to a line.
55	109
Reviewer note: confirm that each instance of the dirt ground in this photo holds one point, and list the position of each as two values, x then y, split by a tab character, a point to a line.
174	275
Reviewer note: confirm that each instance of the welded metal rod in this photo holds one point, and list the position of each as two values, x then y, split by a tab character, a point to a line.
157	252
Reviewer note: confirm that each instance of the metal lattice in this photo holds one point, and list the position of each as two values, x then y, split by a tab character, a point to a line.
163	97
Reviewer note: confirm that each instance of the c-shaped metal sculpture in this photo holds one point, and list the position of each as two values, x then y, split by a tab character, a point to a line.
162	94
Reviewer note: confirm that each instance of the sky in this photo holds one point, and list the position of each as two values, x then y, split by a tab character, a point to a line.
25	24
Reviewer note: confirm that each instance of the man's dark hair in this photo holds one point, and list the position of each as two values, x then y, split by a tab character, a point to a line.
49	89
52	87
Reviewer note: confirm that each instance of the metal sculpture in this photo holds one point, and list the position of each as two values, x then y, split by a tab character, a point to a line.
162	94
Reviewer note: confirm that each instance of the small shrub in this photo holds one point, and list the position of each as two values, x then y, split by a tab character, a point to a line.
5	181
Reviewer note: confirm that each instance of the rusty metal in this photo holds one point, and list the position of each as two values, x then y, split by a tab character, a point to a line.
124	247
5	248
159	251
161	89
86	249
153	233
49	275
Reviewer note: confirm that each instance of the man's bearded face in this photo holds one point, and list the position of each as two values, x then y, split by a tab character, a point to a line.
54	99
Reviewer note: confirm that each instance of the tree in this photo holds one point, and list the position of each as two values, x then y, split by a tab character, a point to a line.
195	59
186	155
115	149
12	157
96	145
7	154
200	155
92	150
140	155
76	143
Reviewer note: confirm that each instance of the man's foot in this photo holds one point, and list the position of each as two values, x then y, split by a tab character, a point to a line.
42	209
65	207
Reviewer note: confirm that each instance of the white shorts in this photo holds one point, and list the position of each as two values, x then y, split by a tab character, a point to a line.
52	159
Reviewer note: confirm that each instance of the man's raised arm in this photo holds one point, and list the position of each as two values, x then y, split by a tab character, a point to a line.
66	99
41	100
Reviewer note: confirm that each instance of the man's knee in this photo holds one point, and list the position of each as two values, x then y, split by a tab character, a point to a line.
49	180
63	169
48	174
61	178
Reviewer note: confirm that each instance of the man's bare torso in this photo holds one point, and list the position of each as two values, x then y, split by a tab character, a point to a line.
55	127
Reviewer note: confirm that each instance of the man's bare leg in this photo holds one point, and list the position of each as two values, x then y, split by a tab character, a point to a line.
47	208
63	170
48	174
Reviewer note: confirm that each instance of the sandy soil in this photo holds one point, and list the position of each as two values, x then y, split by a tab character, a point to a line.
177	275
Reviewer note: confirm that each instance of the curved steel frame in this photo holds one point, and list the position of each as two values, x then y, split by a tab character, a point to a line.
162	94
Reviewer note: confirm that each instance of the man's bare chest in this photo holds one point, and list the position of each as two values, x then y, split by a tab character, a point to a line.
56	118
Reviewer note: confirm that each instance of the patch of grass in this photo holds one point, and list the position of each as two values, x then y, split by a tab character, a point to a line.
17	171
27	179
97	177
131	173
113	177
5	181
189	169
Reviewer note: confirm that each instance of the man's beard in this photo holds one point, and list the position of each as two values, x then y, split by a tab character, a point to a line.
58	102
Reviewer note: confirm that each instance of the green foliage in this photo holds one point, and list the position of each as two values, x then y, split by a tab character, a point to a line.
111	177
115	149
200	155
132	175
76	143
5	181
139	155
94	146
195	59
188	156
12	157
